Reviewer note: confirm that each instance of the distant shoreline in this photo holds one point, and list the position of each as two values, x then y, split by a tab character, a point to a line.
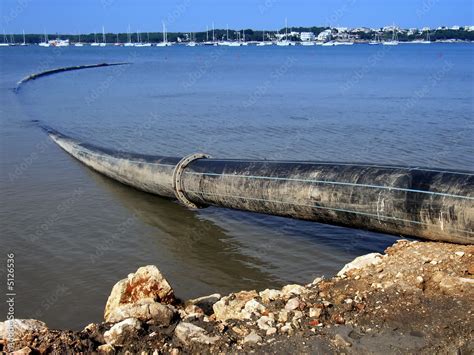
296	34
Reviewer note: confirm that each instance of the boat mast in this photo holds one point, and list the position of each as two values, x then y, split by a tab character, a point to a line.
207	33
103	35
164	31
213	33
24	39
227	32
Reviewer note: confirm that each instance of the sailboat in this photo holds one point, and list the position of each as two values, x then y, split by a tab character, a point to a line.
244	43
285	42
5	41
376	40
164	43
428	38
104	41
24	39
117	42
209	43
394	41
129	36
264	42
226	42
191	43
45	43
95	44
78	43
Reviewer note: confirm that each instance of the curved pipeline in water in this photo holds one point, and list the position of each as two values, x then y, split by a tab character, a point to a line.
425	203
63	69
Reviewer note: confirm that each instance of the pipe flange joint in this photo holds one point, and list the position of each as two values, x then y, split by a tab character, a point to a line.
177	178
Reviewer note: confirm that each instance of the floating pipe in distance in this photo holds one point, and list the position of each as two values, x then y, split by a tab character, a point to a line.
63	69
425	203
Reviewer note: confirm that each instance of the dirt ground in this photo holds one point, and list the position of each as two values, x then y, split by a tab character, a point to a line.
416	298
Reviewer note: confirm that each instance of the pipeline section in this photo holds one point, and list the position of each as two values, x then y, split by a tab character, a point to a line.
63	69
419	202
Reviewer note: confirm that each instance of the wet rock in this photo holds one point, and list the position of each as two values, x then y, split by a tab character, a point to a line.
121	331
361	262
147	283
232	306
188	333
269	295
292	304
205	302
20	327
144	310
252	338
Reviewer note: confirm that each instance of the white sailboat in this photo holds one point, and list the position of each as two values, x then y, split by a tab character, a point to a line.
165	42
95	44
192	42
45	43
329	44
78	43
226	42
104	40
208	43
428	38
5	41
24	39
129	35
376	40
285	42
394	41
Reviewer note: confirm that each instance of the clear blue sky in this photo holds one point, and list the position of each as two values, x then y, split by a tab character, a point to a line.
71	16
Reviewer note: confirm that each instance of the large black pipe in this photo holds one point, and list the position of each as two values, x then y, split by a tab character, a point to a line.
425	203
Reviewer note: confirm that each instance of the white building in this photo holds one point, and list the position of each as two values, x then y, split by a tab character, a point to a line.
325	35
456	28
307	36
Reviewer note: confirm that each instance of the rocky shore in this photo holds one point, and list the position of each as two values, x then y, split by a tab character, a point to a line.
416	298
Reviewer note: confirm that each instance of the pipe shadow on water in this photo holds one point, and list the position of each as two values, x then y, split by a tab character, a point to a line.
193	241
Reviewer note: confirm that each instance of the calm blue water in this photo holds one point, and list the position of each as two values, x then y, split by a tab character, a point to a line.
76	233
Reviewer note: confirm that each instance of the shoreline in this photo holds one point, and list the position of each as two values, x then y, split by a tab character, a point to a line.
417	297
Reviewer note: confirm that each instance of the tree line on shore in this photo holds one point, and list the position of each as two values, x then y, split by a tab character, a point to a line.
221	34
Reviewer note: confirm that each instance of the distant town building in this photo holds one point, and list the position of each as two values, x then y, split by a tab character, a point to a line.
307	36
456	28
326	35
